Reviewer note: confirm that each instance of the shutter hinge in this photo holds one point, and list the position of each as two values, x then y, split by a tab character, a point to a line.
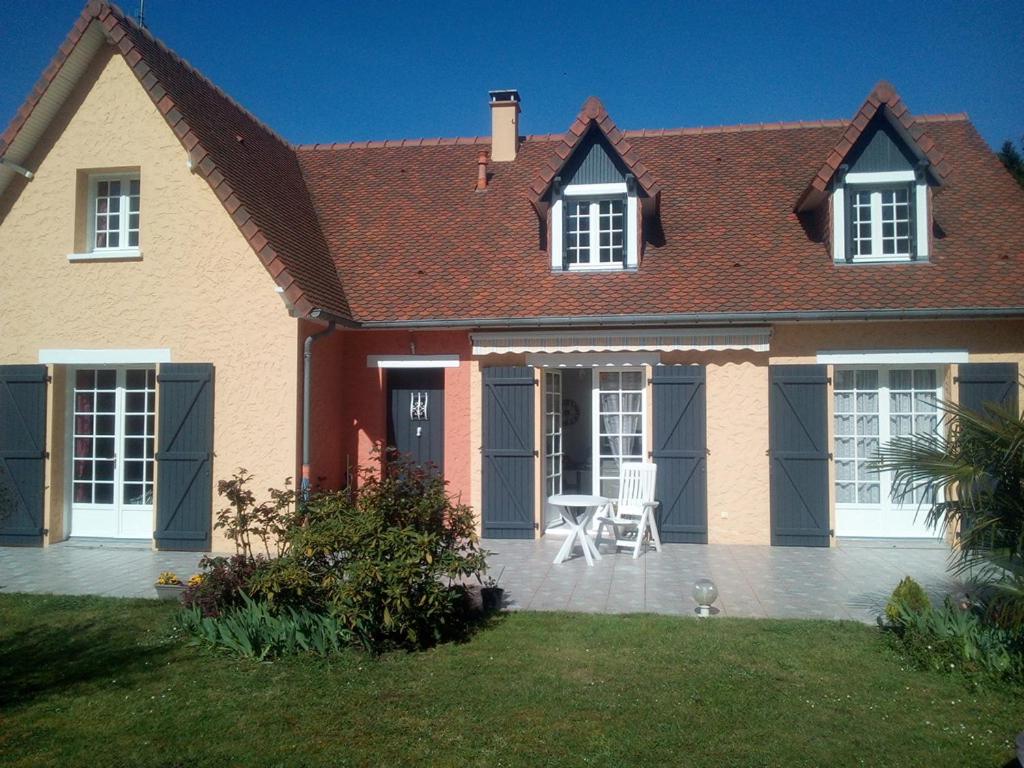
956	379
828	380
46	455
536	526
536	453
768	452
707	451
650	380
830	456
49	379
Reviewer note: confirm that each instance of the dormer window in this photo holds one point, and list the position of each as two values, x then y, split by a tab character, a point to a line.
594	227
595	232
880	217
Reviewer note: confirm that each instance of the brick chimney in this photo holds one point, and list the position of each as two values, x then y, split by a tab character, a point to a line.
504	125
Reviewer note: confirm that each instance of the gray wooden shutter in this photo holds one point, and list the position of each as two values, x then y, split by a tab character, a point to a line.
680	451
798	442
184	482
982	383
22	454
508	453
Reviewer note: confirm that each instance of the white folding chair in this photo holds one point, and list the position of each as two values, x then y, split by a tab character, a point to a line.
633	513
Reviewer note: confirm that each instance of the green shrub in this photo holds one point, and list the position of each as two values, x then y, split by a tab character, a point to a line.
388	559
955	639
908	596
254	631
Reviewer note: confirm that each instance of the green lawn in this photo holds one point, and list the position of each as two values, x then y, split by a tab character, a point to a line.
102	682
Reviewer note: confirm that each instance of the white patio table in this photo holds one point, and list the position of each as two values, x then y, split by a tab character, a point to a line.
576	511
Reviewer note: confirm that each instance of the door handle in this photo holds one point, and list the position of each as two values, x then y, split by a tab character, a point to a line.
419	431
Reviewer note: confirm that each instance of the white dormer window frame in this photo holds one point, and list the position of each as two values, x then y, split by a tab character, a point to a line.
877	203
598	219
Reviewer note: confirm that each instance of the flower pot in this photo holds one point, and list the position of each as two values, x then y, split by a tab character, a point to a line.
170	591
491	599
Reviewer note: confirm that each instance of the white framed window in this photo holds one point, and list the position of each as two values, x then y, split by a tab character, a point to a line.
593	227
113	217
880	217
872	405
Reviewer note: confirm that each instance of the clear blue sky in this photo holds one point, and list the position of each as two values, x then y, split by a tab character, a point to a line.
338	71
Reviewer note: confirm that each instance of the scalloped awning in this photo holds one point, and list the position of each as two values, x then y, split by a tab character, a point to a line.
640	340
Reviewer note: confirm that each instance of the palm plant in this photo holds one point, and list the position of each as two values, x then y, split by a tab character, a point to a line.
975	471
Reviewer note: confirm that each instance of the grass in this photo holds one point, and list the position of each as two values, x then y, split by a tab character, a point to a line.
94	681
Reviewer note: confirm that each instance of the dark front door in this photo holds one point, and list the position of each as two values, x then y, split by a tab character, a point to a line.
416	414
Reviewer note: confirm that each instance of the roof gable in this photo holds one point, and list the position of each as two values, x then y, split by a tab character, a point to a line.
252	171
882	104
592	117
594	162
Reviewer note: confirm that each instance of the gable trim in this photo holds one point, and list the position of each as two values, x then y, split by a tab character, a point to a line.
593	116
886	104
115	25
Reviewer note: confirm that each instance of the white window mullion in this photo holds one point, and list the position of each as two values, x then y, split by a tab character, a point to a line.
876	224
119	408
595	232
884	433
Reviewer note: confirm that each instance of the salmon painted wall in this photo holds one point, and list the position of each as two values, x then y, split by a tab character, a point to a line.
363	399
328	465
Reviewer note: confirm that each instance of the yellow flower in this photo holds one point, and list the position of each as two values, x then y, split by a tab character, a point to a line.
167	578
195	579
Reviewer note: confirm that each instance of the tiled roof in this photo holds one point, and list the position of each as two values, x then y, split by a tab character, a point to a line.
253	172
414	241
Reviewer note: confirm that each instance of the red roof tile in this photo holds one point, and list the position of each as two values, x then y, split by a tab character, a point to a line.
414	242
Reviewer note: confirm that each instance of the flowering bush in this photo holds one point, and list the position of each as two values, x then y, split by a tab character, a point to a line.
388	559
221	583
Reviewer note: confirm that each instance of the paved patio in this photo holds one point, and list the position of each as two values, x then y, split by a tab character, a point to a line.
850	581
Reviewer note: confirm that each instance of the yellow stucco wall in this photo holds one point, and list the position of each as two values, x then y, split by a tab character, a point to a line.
737	432
199	290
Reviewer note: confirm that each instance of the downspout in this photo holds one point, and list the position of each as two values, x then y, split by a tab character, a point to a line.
307	398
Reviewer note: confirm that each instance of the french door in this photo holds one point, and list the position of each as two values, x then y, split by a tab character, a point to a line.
113	426
553	449
871	406
619	410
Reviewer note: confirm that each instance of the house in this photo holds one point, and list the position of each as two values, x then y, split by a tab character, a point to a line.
755	308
